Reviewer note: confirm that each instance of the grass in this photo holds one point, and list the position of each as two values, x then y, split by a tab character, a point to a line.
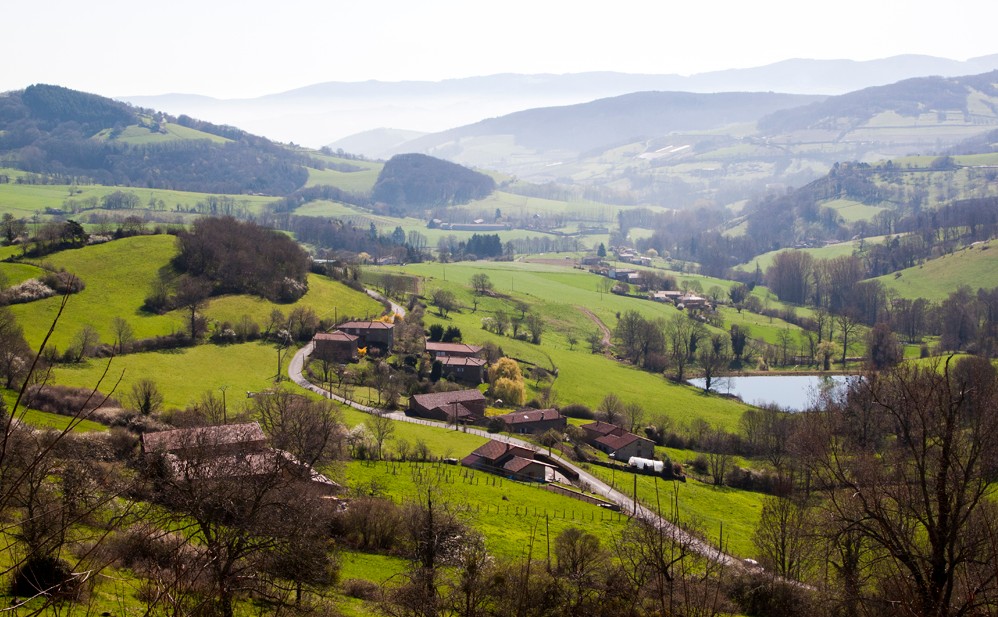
724	514
27	200
934	280
16	273
441	443
511	515
557	293
183	375
118	276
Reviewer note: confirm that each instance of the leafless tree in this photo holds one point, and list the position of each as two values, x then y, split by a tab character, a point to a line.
382	428
145	396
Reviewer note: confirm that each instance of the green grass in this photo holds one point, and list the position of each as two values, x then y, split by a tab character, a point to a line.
936	279
353	181
26	200
441	443
509	514
15	273
118	276
557	293
715	510
328	298
183	375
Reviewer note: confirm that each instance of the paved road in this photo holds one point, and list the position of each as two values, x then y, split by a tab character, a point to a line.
626	503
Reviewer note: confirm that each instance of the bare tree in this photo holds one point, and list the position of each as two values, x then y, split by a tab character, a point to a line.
921	496
784	538
145	396
123	334
310	430
382	428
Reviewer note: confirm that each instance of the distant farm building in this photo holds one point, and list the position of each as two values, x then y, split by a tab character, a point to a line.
371	333
461	406
336	346
533	421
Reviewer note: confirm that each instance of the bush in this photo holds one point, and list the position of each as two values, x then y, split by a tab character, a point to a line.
48	576
28	291
67	401
759	595
361	589
63	282
578	410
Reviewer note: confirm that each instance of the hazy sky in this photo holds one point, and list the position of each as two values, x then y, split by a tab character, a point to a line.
248	48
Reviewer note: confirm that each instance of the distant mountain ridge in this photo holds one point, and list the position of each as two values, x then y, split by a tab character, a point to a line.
320	114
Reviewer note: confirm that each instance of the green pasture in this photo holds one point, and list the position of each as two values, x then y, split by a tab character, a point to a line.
329	299
353	181
27	200
182	375
975	266
511	515
41	419
724	514
118	276
441	443
765	260
557	293
852	211
13	273
139	135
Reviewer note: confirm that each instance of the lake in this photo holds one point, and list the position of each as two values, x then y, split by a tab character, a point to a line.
793	392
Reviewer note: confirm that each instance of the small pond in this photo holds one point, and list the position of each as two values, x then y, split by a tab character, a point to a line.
793	392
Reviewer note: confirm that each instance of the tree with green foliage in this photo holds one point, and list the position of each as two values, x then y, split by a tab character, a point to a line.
445	301
481	283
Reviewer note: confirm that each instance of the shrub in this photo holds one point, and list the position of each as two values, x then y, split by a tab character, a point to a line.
63	282
67	401
28	291
45	575
361	589
578	410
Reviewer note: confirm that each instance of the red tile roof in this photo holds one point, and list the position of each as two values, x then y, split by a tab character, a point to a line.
203	436
367	325
461	361
603	428
335	335
451	348
518	464
616	442
440	399
530	415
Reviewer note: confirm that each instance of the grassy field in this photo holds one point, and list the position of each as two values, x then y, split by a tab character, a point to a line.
182	375
976	266
118	276
353	181
557	293
27	200
509	514
15	273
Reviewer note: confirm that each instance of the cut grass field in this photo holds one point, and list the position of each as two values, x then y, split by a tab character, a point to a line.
511	515
27	200
182	375
974	266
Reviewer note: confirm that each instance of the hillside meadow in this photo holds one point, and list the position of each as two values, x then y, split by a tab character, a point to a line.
120	274
975	266
559	295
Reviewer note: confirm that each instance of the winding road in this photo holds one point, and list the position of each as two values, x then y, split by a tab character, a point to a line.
597	486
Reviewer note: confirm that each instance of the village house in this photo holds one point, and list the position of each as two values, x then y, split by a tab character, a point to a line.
463	369
512	461
229	451
371	333
533	421
617	442
221	440
335	346
453	350
461	406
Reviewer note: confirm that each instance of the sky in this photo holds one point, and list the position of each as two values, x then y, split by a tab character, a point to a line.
249	48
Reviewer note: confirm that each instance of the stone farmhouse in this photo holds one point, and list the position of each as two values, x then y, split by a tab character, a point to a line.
534	421
461	406
511	461
337	346
617	442
371	333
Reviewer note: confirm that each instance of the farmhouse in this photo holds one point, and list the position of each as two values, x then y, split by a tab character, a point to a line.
462	369
464	406
617	442
511	461
376	333
221	440
533	421
229	451
336	346
453	350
